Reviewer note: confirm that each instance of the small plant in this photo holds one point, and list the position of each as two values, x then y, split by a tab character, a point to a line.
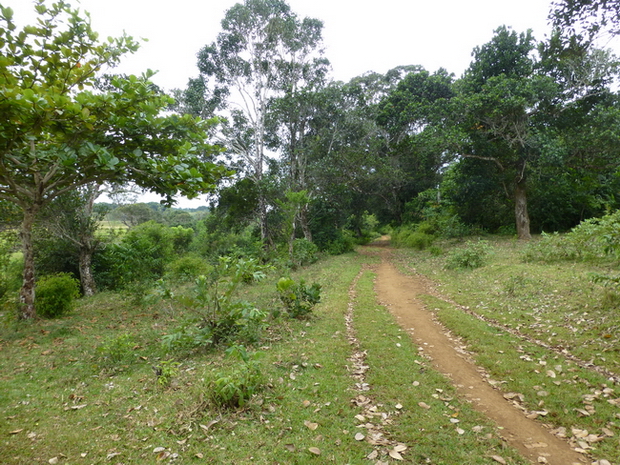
165	371
217	314
235	388
473	255
115	351
55	294
298	299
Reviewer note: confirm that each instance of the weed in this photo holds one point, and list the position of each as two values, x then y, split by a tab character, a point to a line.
298	299
233	389
116	350
165	371
473	255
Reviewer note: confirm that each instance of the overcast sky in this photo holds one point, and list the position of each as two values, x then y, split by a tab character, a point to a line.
359	36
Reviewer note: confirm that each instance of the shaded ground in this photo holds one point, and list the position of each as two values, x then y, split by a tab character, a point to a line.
400	294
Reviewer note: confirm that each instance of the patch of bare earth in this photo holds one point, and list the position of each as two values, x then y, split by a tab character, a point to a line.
400	294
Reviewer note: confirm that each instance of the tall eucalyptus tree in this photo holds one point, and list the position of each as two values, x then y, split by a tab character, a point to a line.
264	51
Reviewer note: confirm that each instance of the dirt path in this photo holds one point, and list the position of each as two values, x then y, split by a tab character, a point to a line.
400	294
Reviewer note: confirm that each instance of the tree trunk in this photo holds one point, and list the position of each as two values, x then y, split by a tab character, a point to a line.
521	215
89	287
27	293
303	220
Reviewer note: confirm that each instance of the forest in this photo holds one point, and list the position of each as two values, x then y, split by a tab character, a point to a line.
518	159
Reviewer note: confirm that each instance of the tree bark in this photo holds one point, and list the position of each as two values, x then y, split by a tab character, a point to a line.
87	280
27	292
521	215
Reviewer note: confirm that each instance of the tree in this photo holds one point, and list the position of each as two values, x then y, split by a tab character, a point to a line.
263	52
501	96
66	125
71	217
586	16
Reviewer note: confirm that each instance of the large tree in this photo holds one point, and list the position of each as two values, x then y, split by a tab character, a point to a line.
263	52
64	124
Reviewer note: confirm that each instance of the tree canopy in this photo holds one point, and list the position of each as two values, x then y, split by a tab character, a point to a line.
66	124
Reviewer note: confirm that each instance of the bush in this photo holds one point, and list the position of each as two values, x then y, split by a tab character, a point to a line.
406	236
298	299
55	294
235	388
473	255
187	267
343	243
216	314
304	252
592	239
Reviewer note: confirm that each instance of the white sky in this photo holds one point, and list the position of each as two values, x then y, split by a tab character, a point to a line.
359	36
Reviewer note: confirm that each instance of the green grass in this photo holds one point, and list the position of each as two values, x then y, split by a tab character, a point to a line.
83	389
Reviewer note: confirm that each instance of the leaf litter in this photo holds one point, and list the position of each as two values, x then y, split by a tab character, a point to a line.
371	419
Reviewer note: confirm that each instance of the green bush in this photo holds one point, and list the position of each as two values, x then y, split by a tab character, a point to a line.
188	267
55	294
233	389
216	314
408	236
304	252
473	255
592	239
298	299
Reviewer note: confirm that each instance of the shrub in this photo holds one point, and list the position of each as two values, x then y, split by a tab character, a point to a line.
304	252
592	239
55	294
116	350
473	255
235	388
298	299
187	267
216	314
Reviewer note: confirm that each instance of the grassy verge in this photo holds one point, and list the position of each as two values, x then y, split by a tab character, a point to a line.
557	305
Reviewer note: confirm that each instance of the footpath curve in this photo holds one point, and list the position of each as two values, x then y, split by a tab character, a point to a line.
400	294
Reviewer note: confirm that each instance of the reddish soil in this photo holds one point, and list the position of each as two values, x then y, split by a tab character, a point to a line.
400	293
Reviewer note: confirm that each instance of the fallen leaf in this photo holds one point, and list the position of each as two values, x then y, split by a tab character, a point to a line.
499	459
306	403
209	425
373	455
53	460
359	437
157	450
289	447
111	455
424	405
460	431
398	406
310	425
314	450
360	418
16	431
199	455
395	454
163	455
400	448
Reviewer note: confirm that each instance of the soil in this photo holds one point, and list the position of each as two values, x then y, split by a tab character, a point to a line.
400	293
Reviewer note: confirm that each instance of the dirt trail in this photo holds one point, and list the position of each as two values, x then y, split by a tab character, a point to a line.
400	294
